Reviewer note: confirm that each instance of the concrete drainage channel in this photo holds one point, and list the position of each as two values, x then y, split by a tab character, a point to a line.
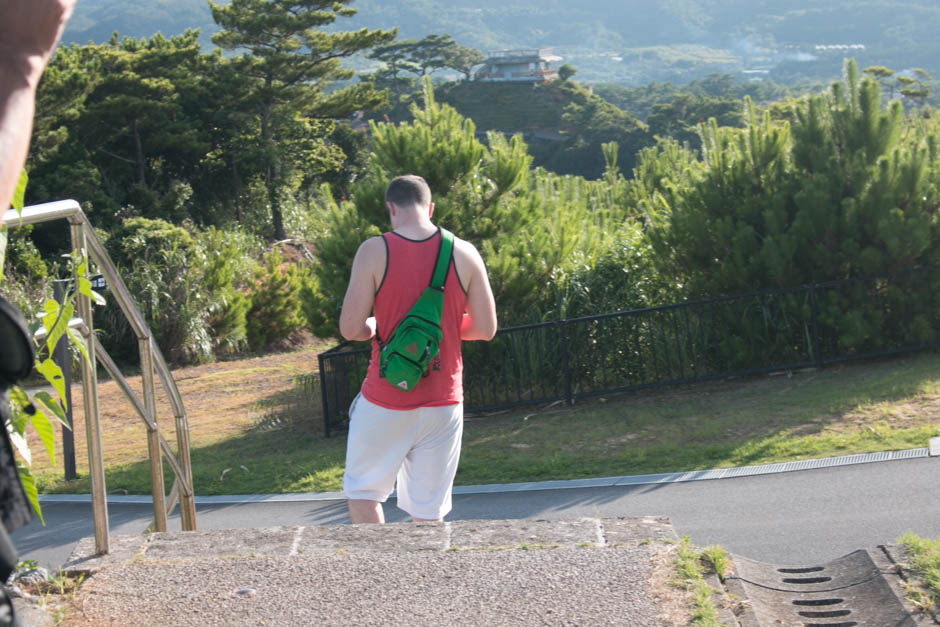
858	589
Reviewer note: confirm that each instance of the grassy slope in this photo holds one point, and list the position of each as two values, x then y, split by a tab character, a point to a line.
884	405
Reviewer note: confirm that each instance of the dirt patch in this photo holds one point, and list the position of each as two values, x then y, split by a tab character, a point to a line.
919	411
221	399
675	603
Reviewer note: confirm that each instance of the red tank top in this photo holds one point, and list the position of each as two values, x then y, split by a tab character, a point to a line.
408	267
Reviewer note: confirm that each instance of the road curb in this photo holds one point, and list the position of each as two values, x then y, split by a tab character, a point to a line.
601	482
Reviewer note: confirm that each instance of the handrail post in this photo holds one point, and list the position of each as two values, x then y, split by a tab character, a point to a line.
153	435
185	473
99	501
187	498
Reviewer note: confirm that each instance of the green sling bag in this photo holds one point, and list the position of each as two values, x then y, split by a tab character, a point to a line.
405	357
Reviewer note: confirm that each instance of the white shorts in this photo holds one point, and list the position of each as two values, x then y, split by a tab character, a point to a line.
418	447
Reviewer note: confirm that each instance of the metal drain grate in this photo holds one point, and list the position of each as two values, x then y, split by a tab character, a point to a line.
847	592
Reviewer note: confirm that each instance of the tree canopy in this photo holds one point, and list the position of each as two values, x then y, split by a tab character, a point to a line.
290	61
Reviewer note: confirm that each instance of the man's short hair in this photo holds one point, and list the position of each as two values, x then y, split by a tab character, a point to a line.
409	189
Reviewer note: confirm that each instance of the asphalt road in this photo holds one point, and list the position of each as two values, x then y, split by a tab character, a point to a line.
794	518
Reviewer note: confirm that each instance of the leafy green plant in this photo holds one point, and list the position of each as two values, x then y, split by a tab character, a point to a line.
229	263
190	285
275	311
17	202
42	409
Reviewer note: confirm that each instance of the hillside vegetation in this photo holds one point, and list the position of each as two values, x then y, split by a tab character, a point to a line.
626	41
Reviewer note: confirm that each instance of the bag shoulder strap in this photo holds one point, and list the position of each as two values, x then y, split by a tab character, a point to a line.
444	254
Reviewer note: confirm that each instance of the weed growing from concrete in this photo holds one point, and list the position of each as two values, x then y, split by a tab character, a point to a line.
717	559
690	576
925	563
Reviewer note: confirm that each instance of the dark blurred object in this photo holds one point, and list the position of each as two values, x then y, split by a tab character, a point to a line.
16	358
16	362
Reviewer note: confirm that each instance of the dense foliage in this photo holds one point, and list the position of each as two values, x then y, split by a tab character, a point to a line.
848	188
539	232
156	128
187	161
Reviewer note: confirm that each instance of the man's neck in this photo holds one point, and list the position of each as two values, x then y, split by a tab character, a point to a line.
413	225
416	231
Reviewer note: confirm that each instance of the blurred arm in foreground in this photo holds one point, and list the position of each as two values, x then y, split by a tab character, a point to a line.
29	32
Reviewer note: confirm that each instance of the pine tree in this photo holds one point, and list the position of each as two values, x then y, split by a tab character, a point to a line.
843	192
292	62
440	144
113	129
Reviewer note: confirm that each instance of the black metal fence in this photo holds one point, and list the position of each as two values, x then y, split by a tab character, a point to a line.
806	326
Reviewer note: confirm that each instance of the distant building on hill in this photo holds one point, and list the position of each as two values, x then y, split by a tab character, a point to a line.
530	65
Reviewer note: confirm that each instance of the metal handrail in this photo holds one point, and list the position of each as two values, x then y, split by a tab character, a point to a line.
152	362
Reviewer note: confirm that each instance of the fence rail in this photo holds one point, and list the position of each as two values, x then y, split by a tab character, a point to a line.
772	330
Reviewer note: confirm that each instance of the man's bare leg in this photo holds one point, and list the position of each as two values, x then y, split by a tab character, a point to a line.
365	511
419	520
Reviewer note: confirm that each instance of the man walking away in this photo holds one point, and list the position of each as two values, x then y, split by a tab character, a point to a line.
412	437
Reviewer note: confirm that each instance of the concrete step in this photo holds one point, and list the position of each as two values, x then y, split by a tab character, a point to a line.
504	572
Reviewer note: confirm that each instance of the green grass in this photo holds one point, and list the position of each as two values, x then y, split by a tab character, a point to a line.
925	563
863	408
690	576
859	408
717	559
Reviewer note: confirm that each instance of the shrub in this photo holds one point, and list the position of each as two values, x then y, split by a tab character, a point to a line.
189	286
275	311
621	277
162	266
849	189
229	265
28	282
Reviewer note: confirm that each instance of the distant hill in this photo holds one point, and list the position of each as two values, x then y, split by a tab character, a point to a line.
95	20
623	41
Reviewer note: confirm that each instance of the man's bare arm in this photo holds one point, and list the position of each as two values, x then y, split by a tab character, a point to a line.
355	320
479	322
29	32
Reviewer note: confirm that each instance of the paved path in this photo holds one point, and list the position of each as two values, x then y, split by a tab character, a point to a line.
794	517
502	572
